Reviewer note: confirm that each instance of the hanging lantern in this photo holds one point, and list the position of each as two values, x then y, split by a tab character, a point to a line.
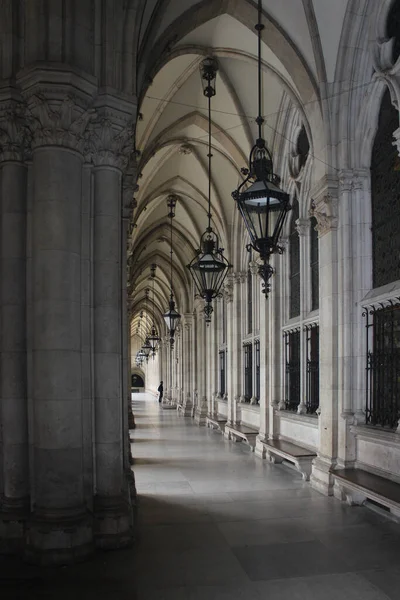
262	204
209	267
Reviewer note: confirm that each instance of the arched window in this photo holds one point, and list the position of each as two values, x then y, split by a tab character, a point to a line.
249	302
385	191
294	263
314	264
303	147
393	28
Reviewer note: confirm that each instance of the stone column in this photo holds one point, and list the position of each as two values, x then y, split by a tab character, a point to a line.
187	366
325	211
113	515
230	376
214	358
60	528
355	280
237	349
202	405
303	230
194	354
14	498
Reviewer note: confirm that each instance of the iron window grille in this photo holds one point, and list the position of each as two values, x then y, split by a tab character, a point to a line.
257	361
222	373
383	365
248	371
312	382
292	369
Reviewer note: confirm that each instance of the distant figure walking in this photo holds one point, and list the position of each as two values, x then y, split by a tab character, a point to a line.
161	391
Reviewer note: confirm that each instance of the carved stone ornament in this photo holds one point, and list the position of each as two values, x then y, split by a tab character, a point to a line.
253	267
58	124
396	142
106	145
228	289
303	227
15	136
325	210
185	149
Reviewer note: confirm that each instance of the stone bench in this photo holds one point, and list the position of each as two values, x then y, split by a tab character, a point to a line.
355	486
276	451
241	433
216	421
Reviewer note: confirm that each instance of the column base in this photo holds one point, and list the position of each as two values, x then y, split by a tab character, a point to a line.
201	412
187	408
13	517
321	477
113	523
58	539
259	449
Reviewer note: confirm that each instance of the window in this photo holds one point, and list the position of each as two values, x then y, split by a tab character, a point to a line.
314	264
383	366
249	302
385	191
222	373
312	395
248	372
257	360
303	147
292	369
294	263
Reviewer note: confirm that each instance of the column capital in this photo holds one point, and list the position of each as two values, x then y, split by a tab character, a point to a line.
228	288
253	267
303	227
353	179
325	210
15	136
103	134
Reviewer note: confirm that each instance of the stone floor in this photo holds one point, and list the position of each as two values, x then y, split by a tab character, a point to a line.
216	523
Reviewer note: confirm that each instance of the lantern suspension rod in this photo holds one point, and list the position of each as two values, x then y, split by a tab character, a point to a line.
209	162
260	121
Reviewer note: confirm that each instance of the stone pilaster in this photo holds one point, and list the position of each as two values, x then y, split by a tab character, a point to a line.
14	492
325	210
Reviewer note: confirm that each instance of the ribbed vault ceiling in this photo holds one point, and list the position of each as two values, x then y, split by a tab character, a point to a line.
299	50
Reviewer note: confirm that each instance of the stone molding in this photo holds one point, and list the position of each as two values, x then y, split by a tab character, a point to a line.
15	135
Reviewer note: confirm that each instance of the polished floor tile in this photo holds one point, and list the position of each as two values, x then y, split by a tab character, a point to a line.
217	523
